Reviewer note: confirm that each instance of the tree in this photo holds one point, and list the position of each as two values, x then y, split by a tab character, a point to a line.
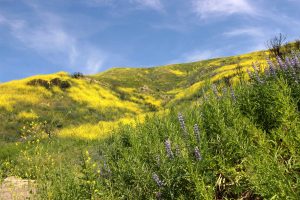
276	44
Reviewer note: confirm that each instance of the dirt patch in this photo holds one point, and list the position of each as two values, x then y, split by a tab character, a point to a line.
13	188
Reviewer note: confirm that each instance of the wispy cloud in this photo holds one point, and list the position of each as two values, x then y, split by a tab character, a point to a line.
151	4
209	8
54	42
249	31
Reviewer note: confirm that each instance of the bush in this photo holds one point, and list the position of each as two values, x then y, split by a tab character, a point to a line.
48	84
269	105
39	82
60	83
77	75
275	46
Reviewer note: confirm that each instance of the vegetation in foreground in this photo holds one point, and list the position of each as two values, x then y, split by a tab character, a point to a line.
237	142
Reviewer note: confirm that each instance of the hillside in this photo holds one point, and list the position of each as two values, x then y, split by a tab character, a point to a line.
237	140
91	106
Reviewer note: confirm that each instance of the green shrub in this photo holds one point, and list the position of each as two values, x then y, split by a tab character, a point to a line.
77	75
49	84
269	105
39	82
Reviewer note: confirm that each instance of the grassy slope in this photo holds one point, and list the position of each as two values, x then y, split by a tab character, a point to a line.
95	104
248	142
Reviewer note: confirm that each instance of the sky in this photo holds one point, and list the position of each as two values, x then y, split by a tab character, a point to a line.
90	36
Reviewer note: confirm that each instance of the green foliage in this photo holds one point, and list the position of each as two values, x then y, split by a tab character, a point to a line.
269	105
247	147
77	75
48	84
39	82
241	157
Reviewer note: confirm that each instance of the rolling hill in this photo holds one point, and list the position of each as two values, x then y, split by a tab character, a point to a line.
201	130
90	106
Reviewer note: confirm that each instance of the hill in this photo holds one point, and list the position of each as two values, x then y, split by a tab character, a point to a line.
237	139
91	106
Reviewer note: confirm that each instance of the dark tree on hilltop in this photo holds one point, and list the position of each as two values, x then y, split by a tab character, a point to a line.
276	44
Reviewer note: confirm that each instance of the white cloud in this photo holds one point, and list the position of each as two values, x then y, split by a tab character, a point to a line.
208	8
53	42
151	4
250	31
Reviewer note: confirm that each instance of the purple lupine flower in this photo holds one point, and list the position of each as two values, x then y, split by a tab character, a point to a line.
293	62
157	180
288	62
271	67
169	149
215	90
256	73
296	60
259	79
281	63
182	124
197	132
232	94
197	154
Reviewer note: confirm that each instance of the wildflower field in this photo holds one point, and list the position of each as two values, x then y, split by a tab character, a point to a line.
226	128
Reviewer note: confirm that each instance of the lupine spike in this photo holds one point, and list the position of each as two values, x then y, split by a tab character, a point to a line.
215	90
296	60
271	67
293	62
197	154
232	94
182	125
169	149
156	178
288	62
281	63
197	133
256	73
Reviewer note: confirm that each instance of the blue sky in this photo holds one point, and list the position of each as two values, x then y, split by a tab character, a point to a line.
90	36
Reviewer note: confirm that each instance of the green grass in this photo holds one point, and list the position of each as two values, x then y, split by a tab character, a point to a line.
248	140
249	146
